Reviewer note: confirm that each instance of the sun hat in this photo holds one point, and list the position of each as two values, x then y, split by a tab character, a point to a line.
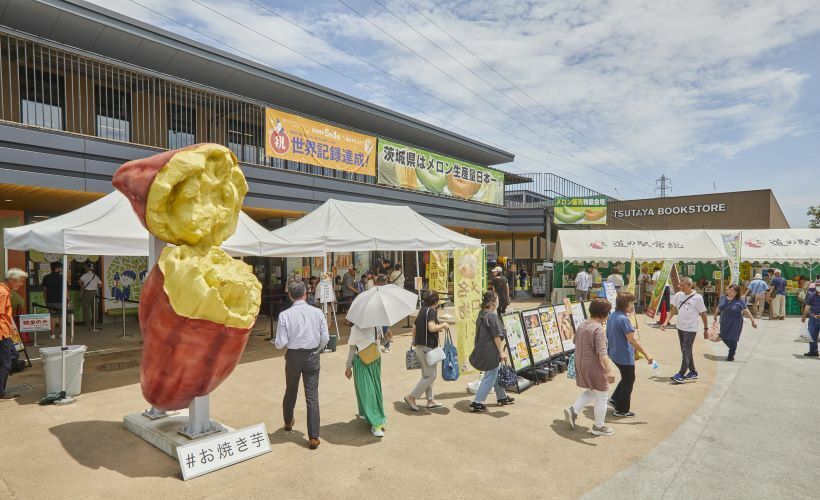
498	269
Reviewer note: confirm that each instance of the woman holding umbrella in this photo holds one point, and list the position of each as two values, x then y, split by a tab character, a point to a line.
731	310
370	312
364	364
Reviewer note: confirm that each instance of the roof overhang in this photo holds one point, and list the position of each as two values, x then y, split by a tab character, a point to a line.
98	30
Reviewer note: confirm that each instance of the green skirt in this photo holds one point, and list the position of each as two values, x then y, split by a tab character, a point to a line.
368	382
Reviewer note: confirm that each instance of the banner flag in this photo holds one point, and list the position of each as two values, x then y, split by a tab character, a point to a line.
439	270
731	242
657	293
467	288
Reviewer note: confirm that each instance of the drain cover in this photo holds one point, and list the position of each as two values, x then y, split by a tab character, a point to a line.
19	389
122	365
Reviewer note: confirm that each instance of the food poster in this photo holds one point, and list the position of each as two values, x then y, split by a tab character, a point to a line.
580	210
657	292
516	342
565	326
438	270
611	293
551	334
300	139
467	289
123	278
421	170
578	315
535	336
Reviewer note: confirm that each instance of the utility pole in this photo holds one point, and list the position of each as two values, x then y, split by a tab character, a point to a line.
663	185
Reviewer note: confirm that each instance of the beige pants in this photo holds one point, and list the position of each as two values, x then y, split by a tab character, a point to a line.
778	307
428	375
758	300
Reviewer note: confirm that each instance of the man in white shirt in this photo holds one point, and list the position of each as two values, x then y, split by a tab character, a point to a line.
89	284
616	279
757	292
302	329
689	307
582	283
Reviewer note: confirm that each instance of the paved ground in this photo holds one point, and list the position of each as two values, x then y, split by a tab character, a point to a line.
82	450
755	436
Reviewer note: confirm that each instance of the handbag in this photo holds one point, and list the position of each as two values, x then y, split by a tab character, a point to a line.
370	353
449	367
506	376
713	334
411	361
571	367
436	354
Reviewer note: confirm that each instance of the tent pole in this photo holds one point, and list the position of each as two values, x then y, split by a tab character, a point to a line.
64	399
418	274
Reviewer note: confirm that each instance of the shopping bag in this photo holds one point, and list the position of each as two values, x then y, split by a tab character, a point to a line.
411	361
506	376
449	366
713	334
571	367
804	333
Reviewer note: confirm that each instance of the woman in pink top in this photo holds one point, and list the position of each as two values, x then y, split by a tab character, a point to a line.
593	370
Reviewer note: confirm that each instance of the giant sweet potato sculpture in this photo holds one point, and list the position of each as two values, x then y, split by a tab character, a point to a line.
198	304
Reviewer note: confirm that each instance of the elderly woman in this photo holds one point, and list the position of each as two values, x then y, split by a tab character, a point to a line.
593	370
365	366
15	278
489	352
731	310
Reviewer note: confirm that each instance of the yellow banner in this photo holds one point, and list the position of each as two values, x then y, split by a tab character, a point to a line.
295	138
467	288
439	269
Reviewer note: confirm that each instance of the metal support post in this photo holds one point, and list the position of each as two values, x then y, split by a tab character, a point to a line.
94	313
64	399
550	264
199	419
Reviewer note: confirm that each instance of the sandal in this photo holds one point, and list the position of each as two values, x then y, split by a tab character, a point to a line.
412	406
434	404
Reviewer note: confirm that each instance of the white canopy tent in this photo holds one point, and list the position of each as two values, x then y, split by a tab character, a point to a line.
109	226
618	246
344	226
793	246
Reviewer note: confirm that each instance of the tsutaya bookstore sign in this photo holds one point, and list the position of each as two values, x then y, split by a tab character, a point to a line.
704	208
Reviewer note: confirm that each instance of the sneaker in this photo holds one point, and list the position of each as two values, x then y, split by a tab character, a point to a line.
377	431
506	401
9	397
570	416
601	431
478	407
812	354
611	403
730	358
628	414
693	375
678	379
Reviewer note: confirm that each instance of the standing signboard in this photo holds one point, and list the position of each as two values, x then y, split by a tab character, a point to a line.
657	292
551	333
516	342
611	293
535	336
578	315
206	455
563	318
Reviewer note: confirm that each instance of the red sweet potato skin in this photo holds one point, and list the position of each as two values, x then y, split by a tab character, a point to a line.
182	358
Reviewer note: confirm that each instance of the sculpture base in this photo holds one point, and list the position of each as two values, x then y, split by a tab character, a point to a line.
166	433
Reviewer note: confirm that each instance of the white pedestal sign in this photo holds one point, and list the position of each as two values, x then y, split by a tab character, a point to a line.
222	450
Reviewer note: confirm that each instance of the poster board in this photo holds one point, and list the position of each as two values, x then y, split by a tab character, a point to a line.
550	326
123	278
516	341
565	327
535	336
611	293
657	292
578	314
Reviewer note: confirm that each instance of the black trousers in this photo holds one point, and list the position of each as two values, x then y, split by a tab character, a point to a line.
304	365
623	393
7	356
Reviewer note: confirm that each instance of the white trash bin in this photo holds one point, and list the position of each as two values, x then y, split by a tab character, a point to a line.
74	358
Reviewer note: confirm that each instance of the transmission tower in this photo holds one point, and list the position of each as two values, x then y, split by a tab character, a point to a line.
663	186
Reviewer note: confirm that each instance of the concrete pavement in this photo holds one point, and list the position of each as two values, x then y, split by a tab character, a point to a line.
755	435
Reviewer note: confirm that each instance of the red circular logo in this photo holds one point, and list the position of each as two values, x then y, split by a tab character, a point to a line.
279	142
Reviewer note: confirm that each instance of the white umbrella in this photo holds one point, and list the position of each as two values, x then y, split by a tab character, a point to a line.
381	306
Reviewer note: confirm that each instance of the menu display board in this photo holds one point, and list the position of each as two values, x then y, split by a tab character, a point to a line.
578	315
611	293
516	342
535	336
565	327
550	326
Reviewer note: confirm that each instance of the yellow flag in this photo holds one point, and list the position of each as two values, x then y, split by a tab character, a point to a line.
633	275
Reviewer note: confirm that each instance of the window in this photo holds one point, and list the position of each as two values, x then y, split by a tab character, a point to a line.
245	141
42	97
181	126
113	114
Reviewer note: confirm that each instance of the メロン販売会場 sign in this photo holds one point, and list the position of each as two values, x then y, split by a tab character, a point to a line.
580	210
422	170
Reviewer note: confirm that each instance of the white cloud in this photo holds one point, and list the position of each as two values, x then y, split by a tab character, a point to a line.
654	84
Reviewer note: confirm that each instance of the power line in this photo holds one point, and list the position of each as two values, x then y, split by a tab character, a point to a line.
375	90
513	84
431	63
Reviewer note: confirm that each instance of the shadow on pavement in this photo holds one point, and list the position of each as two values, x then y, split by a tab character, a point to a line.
663	379
580	434
464	407
280	436
799	356
353	433
612	419
401	407
130	456
714	358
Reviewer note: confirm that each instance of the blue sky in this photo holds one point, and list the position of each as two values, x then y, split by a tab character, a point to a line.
718	95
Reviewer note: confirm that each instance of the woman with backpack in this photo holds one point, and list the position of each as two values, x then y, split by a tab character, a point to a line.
489	353
731	310
425	338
